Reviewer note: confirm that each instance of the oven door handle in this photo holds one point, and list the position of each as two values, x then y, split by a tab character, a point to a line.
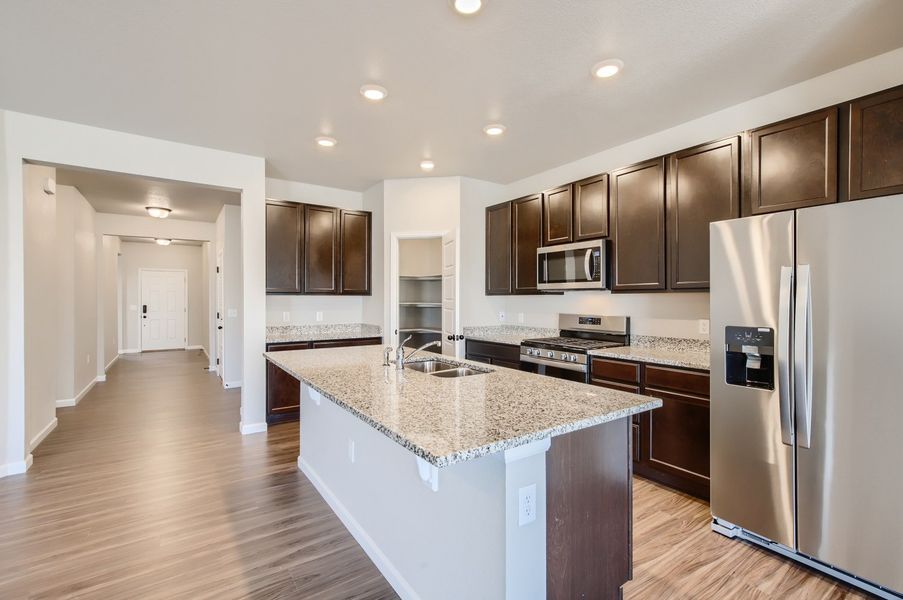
580	367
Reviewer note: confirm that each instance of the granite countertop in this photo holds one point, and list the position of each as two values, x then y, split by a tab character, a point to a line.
512	335
447	421
673	352
314	333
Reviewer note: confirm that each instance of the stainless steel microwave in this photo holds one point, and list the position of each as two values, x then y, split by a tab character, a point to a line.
577	266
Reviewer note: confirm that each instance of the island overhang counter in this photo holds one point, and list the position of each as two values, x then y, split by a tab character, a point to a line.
503	484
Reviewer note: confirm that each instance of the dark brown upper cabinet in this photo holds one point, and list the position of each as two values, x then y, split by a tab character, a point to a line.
283	247
703	187
638	227
557	216
591	208
498	249
792	164
321	249
526	235
355	237
876	145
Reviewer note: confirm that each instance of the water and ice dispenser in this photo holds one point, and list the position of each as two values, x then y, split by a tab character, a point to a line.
749	356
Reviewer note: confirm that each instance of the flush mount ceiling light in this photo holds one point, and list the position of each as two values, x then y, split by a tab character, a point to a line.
467	7
427	165
608	68
163	241
326	141
158	212
494	129
374	92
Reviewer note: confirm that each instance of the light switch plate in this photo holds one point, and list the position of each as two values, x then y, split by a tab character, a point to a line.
232	312
319	315
286	317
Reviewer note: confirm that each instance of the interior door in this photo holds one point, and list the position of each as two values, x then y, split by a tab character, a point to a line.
751	449
452	342
164	310
847	357
220	315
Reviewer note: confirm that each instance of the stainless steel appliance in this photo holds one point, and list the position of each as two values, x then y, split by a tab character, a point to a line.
578	266
565	356
806	409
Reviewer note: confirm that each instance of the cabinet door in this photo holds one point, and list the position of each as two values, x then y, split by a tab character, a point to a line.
498	249
283	390
876	145
591	208
638	226
283	247
354	231
792	164
527	237
703	187
557	216
321	249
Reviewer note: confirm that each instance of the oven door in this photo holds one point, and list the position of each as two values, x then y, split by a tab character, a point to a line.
550	370
579	266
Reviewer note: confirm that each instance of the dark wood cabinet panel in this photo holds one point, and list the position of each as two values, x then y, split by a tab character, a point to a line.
492	353
638	226
375	341
619	370
498	249
792	164
283	247
321	249
678	380
876	145
557	216
526	219
703	187
355	231
591	208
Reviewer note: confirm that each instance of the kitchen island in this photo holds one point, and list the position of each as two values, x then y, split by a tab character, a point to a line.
501	484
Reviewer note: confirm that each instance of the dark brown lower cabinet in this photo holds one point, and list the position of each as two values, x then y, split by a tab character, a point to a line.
491	353
283	390
671	443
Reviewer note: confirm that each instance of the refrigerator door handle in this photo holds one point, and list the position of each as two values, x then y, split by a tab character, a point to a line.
784	316
802	356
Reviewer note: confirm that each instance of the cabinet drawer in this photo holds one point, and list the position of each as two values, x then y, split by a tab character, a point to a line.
680	380
496	352
347	343
618	370
280	347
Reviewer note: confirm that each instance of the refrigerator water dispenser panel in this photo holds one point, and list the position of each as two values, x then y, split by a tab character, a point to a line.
749	356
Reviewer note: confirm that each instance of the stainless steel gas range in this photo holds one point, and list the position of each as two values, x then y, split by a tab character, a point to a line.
566	356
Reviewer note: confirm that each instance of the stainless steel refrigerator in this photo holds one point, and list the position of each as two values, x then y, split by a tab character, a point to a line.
807	387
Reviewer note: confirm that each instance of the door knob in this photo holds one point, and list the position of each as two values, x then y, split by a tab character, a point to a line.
220	327
450	338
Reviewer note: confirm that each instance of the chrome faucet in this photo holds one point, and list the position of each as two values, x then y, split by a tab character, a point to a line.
401	359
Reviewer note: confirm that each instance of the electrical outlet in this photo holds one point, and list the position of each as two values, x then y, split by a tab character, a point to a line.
520	317
319	315
501	316
286	317
351	451
703	326
526	505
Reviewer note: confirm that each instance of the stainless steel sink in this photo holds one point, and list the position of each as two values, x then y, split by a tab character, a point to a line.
430	366
457	372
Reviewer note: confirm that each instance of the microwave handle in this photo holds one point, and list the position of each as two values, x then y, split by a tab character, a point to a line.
587	264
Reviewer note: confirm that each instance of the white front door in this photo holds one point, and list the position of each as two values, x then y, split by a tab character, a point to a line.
452	345
164	309
220	317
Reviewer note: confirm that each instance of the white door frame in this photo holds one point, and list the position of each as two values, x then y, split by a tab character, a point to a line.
141	272
220	322
392	338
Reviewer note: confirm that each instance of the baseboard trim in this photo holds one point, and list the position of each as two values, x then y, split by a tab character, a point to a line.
129	351
232	384
196	347
67	402
42	434
382	562
16	468
110	364
100	378
250	428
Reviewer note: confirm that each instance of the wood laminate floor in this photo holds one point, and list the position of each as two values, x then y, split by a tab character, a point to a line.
147	490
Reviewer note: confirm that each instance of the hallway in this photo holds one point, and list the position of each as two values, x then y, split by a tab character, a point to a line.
147	490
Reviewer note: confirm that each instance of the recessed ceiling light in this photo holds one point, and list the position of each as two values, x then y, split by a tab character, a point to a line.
494	129
157	212
326	141
468	7
374	92
608	68
427	165
163	241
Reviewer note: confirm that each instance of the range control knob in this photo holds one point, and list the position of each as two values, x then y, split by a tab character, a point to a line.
550	354
572	358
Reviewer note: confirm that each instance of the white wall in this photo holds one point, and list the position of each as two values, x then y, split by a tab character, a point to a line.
477	308
84	298
138	255
228	241
109	284
372	307
59	142
302	310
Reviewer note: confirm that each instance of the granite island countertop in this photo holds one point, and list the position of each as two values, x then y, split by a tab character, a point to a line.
447	421
277	334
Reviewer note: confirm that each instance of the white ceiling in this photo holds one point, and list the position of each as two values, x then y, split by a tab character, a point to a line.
130	195
266	77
